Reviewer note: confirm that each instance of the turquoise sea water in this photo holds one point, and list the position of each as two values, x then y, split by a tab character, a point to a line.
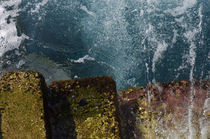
135	41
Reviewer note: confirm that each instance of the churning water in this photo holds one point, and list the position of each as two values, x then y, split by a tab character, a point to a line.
138	42
135	41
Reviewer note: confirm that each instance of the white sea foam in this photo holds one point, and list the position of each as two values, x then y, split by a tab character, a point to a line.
191	37
206	106
38	6
20	64
83	59
158	53
141	12
84	8
186	4
109	37
175	36
180	20
8	32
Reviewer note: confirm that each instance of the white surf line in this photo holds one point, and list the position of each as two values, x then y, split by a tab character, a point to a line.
161	48
84	8
205	123
190	35
204	126
83	59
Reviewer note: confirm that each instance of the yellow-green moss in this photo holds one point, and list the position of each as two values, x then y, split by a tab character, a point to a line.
93	107
146	120
95	119
22	108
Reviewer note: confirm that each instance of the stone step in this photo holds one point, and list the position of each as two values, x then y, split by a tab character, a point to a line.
91	108
84	109
22	107
166	110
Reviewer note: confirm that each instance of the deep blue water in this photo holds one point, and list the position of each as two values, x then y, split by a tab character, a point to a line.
136	42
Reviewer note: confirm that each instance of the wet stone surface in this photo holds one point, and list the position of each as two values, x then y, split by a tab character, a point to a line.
91	108
84	108
164	110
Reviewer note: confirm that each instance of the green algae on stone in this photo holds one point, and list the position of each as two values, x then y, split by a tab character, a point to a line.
22	106
87	109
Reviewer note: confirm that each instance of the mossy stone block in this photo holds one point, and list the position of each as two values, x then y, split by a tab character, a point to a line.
166	110
86	108
22	106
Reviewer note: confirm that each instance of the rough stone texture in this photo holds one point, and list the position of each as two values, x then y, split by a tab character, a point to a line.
87	108
84	109
21	105
162	111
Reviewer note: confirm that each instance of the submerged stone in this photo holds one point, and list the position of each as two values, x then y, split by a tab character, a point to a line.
84	108
21	105
166	110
